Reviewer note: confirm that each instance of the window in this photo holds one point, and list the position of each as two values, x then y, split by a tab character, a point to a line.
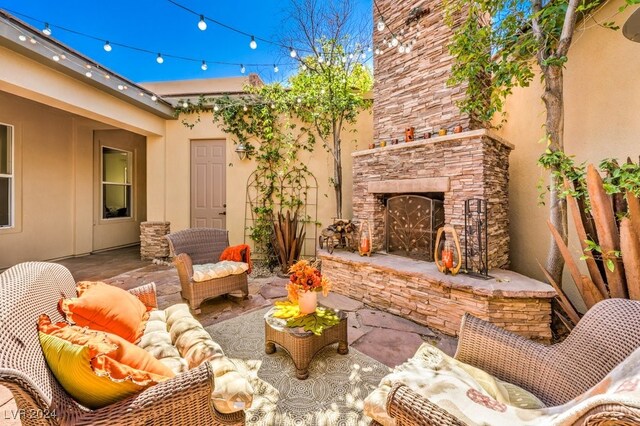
116	183
6	176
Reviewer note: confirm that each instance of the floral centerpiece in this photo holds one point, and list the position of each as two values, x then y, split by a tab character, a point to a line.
304	283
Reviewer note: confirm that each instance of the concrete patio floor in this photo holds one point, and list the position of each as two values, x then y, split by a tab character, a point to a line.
387	338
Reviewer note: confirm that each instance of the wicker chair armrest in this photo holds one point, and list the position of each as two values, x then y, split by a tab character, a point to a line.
147	295
499	352
174	401
184	264
410	409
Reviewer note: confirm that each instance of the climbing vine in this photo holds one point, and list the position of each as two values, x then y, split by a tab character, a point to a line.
263	122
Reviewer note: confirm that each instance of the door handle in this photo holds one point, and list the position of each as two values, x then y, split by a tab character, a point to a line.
223	213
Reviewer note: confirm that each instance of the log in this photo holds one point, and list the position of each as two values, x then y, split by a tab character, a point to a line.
563	299
607	230
630	247
633	203
590	293
592	266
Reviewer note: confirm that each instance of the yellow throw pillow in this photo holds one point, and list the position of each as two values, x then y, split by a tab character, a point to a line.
97	368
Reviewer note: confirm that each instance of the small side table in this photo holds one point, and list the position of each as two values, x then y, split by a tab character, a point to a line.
302	345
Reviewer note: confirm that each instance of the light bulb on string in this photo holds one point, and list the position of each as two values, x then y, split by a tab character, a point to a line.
32	40
275	68
344	59
363	56
185	104
154	98
380	25
216	108
378	51
292	52
159	59
47	29
120	87
88	74
55	58
107	47
401	48
242	69
253	44
394	42
202	24
321	59
22	37
304	67
204	66
245	109
351	56
407	48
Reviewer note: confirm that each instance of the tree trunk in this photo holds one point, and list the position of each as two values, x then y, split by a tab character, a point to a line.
554	102
337	171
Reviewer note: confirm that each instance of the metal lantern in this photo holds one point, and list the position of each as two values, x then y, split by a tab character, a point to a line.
476	252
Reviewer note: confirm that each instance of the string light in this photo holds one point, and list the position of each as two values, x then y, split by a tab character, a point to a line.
47	29
107	47
380	25
185	104
88	74
22	37
242	69
32	40
159	59
154	98
394	42
202	24
245	109
253	44
55	58
204	66
275	68
292	52
216	108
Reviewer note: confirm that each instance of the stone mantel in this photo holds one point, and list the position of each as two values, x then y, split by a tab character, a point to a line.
438	139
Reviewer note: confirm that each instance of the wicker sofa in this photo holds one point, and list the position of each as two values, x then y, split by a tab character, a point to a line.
198	246
33	288
559	374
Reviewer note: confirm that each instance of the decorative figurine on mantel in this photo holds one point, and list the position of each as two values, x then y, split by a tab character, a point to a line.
409	134
444	255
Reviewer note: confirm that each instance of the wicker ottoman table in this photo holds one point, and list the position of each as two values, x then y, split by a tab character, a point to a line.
302	345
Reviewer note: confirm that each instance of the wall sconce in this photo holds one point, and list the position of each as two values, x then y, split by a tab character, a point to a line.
416	14
242	151
631	28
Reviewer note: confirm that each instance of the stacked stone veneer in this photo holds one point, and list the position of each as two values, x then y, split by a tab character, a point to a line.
472	164
419	292
153	244
410	90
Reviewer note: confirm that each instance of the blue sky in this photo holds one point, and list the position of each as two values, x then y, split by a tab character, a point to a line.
162	27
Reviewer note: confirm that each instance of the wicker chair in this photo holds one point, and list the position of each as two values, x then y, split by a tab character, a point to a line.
197	246
607	334
30	289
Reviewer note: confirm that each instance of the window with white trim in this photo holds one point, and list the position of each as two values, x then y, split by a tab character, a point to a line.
116	183
6	176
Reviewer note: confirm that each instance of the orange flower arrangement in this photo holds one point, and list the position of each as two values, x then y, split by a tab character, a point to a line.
306	277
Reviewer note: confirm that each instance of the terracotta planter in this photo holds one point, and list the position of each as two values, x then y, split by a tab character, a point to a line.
308	302
383	143
457	129
427	135
372	145
442	132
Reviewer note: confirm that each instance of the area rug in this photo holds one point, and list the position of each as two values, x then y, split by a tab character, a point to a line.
333	394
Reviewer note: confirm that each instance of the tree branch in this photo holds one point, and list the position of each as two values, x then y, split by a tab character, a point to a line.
567	29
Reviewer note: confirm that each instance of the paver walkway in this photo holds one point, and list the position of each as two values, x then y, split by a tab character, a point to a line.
385	337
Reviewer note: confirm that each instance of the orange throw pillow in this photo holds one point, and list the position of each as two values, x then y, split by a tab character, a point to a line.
95	367
104	307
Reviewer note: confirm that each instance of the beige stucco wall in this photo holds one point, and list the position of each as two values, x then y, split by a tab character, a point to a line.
602	107
178	202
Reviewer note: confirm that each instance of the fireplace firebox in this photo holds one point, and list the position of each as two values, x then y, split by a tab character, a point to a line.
411	225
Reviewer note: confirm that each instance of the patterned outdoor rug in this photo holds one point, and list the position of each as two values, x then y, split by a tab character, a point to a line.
332	395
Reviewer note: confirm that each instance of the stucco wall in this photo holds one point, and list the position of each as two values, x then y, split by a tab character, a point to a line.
54	178
602	103
319	162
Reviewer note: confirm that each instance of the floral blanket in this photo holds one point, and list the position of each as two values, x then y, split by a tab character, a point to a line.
478	398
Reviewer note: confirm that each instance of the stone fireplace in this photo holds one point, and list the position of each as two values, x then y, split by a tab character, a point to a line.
441	170
452	168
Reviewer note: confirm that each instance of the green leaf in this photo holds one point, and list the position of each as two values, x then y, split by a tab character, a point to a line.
611	266
316	322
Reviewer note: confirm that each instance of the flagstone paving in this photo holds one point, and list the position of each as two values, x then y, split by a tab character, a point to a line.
385	337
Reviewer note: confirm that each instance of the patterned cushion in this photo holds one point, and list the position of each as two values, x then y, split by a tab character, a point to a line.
232	392
478	402
224	268
157	341
432	371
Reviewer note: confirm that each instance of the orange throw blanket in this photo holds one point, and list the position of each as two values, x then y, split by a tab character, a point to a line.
239	253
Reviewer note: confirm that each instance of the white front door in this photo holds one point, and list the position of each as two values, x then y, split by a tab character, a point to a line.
208	184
